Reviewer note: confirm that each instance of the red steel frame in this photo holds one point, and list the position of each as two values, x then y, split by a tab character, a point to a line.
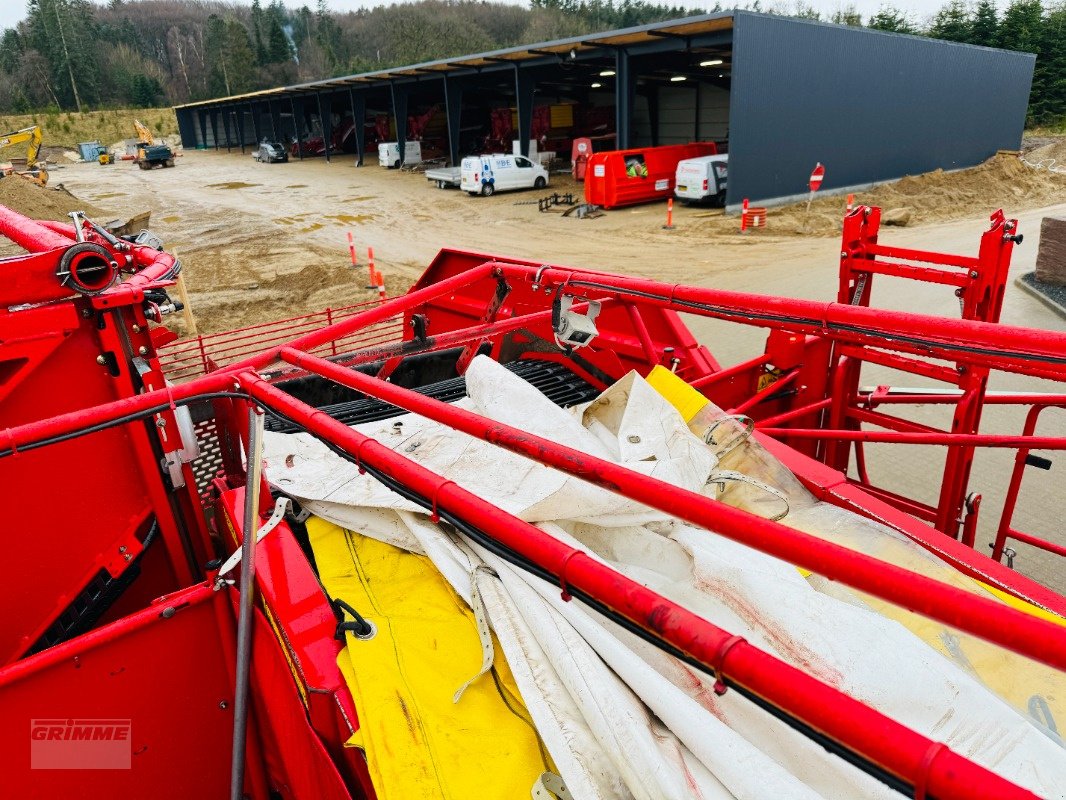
799	328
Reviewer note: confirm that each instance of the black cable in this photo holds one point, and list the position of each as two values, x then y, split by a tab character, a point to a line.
114	423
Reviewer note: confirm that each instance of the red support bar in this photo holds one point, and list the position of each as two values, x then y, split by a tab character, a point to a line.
907	254
897	749
767	391
915	366
939	439
958	608
731	372
924	274
915	508
795	413
646	343
890	422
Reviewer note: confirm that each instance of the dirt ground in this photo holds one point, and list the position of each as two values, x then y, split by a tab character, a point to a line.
262	242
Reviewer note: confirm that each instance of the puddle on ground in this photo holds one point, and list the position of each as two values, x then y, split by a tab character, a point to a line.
351	219
297	186
283	221
232	185
172	218
314	226
110	194
357	199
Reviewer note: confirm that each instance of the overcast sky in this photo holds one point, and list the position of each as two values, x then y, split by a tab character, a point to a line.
11	11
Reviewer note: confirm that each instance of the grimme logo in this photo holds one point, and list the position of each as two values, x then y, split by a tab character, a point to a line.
80	744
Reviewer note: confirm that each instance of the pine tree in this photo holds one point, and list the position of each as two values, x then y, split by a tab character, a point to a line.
278	48
1022	29
257	33
985	24
890	18
952	23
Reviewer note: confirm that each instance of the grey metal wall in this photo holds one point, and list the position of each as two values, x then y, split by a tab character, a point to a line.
870	106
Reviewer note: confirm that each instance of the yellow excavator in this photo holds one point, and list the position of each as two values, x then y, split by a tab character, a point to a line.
35	170
150	154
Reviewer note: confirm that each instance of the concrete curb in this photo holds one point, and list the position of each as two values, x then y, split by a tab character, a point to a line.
1027	287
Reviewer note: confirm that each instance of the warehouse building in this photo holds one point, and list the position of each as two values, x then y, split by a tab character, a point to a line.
781	94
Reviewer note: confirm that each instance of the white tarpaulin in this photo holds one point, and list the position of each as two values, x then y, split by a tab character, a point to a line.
619	717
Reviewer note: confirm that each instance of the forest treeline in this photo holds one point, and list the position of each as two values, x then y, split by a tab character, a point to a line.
76	55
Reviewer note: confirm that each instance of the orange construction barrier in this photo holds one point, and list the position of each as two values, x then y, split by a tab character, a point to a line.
752	216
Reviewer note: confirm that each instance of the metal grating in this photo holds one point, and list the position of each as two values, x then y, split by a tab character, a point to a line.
209	462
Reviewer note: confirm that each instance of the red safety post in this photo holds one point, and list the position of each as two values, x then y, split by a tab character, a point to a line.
380	280
669	226
351	250
744	215
371	280
851	204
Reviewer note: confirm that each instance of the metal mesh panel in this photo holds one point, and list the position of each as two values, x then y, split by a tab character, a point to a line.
209	462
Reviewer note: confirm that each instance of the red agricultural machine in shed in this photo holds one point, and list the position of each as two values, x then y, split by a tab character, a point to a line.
152	646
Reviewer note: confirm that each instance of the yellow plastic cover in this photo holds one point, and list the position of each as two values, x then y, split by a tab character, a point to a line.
418	742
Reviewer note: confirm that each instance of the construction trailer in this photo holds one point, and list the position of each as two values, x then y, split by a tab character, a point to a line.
781	94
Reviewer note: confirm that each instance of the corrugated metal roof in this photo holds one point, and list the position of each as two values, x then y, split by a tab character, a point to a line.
681	28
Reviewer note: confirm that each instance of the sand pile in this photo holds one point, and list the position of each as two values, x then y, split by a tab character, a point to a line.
1049	156
55	203
1003	181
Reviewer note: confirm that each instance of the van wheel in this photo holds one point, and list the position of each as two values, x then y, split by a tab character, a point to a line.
442	185
539	183
472	194
396	164
488	189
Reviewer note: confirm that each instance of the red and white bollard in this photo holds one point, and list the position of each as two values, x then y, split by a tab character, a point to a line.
851	203
351	250
669	226
371	275
744	215
381	287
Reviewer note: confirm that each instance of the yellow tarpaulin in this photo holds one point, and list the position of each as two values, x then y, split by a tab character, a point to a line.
418	742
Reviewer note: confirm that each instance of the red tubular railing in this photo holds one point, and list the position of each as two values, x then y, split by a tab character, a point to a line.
908	756
955	607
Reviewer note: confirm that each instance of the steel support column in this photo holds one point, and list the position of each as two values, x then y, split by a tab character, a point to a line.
358	101
524	86
399	113
238	119
226	125
325	122
255	123
275	119
453	109
214	125
625	90
298	128
202	115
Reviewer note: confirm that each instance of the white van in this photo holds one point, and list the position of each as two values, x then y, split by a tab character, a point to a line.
499	172
389	153
702	178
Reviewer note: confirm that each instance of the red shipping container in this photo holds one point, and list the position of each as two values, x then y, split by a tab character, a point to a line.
641	175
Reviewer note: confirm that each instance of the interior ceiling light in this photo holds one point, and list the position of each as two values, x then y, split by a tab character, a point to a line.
677	78
597	85
714	62
607	73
